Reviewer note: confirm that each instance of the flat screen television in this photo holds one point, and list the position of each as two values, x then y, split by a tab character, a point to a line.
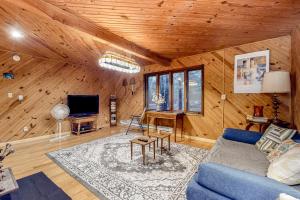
83	105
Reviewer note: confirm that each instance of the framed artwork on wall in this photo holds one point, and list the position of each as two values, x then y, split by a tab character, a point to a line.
249	70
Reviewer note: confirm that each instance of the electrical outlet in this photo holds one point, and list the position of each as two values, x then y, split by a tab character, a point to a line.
10	95
223	97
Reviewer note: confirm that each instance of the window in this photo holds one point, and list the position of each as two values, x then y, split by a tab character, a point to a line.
151	90
181	89
178	91
194	101
164	90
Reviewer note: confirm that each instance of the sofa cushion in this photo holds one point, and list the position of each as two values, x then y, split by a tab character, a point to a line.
238	155
286	168
281	149
272	137
238	135
195	191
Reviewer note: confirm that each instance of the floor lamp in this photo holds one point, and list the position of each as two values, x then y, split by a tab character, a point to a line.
276	82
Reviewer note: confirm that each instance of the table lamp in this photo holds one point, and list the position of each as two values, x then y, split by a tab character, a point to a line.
276	82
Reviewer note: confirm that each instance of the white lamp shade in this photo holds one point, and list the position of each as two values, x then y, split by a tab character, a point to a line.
276	82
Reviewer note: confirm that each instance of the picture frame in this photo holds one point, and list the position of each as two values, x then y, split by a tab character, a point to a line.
249	70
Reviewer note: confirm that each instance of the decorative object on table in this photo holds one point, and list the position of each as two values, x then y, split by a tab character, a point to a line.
273	136
249	70
159	100
113	110
36	187
143	138
132	84
118	62
8	75
109	166
286	169
258	111
139	119
60	112
276	82
4	152
257	119
281	149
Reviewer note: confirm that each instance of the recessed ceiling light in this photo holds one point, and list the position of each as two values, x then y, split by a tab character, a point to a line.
16	34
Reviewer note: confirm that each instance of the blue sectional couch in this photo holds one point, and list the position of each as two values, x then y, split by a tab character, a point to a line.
235	169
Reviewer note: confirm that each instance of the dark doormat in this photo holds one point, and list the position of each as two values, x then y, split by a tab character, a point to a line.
36	187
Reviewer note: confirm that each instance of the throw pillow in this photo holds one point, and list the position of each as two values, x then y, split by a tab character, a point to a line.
272	137
283	196
286	168
281	149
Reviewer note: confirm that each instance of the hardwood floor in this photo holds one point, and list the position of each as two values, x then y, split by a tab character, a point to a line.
31	158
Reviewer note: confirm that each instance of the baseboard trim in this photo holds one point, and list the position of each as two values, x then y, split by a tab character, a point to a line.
201	139
35	138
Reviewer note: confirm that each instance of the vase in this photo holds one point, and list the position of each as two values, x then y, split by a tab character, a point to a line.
158	107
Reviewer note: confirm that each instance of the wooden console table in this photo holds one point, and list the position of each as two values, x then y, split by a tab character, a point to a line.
83	124
174	116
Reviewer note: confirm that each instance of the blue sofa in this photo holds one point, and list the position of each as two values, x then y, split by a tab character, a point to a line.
235	169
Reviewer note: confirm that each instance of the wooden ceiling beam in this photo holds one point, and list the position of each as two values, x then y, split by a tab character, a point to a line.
97	32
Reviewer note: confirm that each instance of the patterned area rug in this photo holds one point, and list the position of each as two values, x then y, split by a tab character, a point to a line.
104	167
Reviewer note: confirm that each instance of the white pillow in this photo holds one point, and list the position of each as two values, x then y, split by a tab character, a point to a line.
286	169
283	196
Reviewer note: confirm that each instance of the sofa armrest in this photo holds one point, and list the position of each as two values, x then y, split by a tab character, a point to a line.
237	184
238	135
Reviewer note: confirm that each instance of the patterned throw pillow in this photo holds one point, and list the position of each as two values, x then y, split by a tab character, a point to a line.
272	137
282	149
286	169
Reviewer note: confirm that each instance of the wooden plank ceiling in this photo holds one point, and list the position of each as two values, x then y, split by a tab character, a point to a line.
176	28
152	31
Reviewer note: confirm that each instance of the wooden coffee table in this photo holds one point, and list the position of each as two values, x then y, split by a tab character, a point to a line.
161	136
143	144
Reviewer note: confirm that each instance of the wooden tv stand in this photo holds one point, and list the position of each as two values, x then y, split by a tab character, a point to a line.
83	124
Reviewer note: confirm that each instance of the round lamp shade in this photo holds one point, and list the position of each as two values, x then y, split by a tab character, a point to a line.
60	111
276	82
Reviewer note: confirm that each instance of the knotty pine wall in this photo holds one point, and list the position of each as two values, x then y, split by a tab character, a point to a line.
44	83
218	79
296	76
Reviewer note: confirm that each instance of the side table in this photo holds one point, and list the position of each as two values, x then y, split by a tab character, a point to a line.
143	144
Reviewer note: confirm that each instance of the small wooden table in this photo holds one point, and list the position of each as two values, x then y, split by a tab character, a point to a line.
261	125
162	136
77	124
174	116
143	144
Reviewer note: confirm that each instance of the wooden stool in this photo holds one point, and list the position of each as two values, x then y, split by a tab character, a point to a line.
161	136
143	144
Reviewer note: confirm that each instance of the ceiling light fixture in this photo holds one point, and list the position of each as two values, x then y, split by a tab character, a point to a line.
118	62
16	34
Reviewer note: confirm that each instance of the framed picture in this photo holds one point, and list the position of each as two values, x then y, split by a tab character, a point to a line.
249	70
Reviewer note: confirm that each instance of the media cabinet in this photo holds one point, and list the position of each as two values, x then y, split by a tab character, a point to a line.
83	124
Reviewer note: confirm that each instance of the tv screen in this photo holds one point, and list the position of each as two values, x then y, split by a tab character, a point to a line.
83	104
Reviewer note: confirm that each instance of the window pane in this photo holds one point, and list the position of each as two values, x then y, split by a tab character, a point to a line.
151	91
195	91
178	91
164	90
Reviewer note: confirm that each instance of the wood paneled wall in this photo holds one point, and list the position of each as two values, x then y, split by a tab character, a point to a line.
45	83
296	76
218	79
